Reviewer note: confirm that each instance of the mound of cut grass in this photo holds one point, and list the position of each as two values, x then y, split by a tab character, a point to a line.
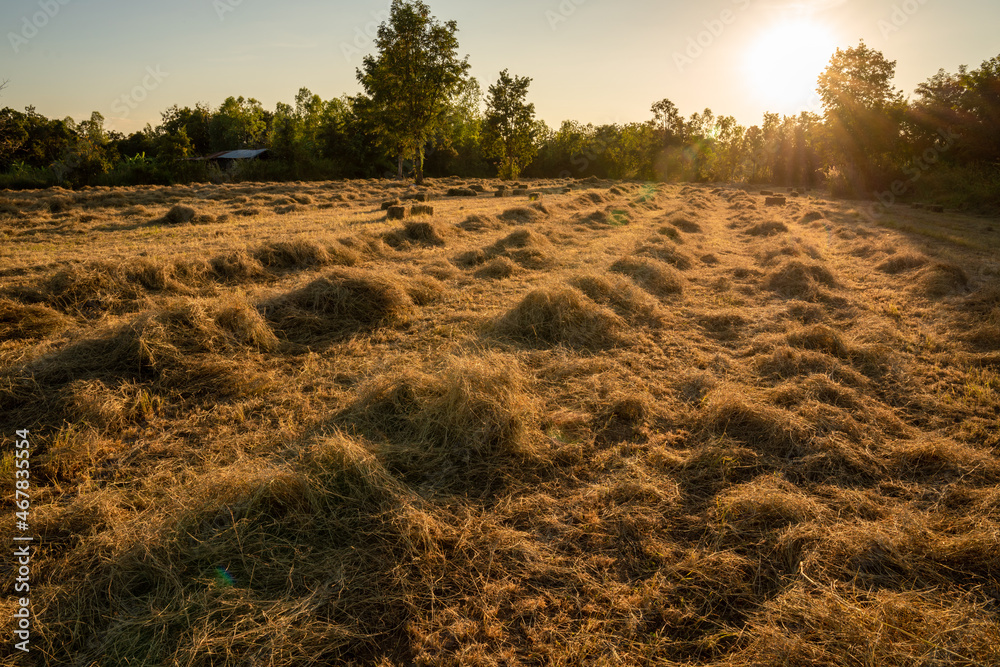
237	266
767	228
731	413
521	214
817	387
592	198
186	345
289	208
497	268
941	457
820	338
621	295
99	286
478	222
525	247
985	336
671	233
180	214
32	321
661	248
699	201
416	233
654	276
725	324
364	245
800	280
291	254
247	211
877	553
840	620
942	279
460	425
336	504
344	300
190	326
158	275
902	262
685	224
623	419
787	362
60	204
767	503
560	315
609	217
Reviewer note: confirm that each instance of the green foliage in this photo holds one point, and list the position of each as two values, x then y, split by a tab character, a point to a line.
174	149
196	123
864	113
509	126
667	122
456	146
420	104
32	139
238	123
88	157
966	104
409	84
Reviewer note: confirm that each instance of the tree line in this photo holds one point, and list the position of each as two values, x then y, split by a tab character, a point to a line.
420	113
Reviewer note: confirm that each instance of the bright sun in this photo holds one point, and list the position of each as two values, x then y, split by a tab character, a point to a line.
784	62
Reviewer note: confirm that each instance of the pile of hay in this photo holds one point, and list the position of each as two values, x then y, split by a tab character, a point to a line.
416	233
767	228
800	280
662	248
342	301
458	426
685	224
497	269
902	262
523	246
561	315
620	295
180	214
656	277
941	279
730	412
25	322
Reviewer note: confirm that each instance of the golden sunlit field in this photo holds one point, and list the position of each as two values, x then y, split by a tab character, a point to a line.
616	424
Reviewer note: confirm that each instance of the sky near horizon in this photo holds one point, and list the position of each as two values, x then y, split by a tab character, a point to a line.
594	61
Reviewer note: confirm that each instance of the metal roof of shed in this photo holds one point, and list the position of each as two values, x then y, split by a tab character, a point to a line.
238	155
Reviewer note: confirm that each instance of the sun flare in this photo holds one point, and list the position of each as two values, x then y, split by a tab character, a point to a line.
785	60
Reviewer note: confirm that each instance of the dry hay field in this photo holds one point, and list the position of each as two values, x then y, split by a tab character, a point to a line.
617	424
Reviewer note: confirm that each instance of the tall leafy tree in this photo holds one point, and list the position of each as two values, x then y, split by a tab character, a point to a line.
410	82
509	126
238	123
195	122
864	112
456	142
668	121
981	103
729	136
32	139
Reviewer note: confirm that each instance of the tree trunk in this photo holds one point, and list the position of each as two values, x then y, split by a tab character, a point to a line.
418	167
400	174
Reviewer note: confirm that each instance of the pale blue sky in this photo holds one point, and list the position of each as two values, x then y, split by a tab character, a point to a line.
591	60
